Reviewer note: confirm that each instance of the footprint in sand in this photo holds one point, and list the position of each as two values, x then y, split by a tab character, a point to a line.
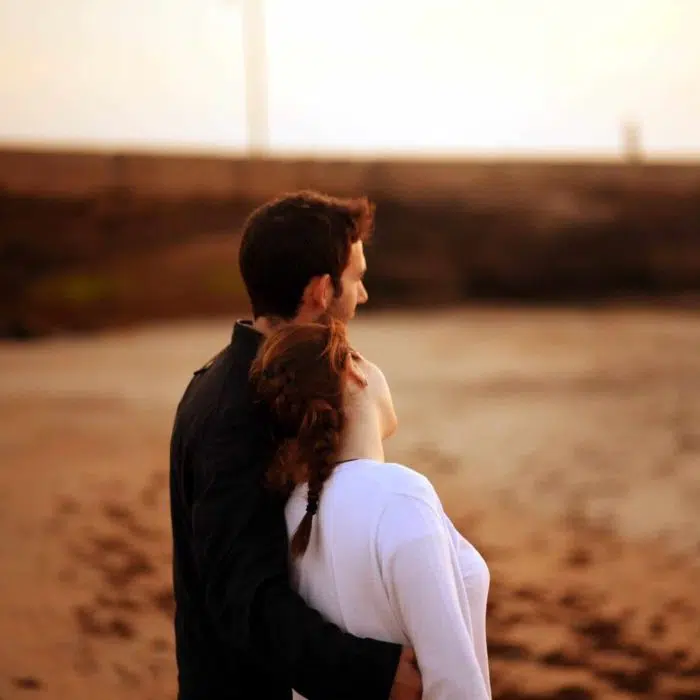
28	683
119	549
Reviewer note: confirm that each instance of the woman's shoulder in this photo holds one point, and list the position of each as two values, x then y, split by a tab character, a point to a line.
411	510
400	480
381	483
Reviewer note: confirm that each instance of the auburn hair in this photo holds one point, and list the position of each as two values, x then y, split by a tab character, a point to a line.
294	238
300	374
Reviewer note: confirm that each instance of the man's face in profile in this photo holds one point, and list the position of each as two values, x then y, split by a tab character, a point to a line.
353	290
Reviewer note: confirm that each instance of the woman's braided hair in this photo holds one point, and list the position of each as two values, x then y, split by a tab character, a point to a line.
300	374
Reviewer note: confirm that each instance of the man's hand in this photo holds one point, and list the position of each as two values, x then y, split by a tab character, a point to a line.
407	681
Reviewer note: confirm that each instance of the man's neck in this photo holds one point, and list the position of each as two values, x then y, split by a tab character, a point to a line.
267	324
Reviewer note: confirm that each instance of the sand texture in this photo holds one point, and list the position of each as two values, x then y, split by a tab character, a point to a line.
566	446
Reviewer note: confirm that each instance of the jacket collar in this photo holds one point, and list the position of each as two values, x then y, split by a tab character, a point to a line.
245	338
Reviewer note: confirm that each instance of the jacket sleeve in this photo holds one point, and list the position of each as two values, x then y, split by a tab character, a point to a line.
241	547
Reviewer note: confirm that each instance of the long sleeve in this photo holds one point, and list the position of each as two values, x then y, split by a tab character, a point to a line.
421	573
476	580
241	547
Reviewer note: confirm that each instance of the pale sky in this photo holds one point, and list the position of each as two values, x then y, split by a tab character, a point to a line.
447	76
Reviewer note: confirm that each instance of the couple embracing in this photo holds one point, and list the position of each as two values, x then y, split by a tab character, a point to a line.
302	561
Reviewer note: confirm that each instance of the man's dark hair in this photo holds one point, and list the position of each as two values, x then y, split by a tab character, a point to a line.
294	238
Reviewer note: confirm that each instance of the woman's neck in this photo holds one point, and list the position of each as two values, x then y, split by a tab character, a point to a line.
362	440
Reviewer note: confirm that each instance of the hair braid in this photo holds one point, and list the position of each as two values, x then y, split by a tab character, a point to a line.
300	373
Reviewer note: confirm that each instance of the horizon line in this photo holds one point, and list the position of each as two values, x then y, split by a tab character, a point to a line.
191	150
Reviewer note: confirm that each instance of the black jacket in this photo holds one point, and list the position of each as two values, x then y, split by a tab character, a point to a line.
241	631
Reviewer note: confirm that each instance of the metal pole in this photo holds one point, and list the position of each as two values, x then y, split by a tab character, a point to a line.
255	66
632	142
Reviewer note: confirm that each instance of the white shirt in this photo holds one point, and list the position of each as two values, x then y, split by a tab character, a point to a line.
384	561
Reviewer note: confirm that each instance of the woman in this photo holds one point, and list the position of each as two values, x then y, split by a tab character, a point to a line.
371	546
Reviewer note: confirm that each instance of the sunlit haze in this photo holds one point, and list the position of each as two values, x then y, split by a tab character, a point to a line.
447	76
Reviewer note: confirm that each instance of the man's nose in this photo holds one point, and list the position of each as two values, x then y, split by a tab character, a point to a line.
363	297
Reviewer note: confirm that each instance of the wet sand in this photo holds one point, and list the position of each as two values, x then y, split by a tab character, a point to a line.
565	444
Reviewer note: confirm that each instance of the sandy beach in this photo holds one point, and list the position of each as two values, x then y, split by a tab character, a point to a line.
565	445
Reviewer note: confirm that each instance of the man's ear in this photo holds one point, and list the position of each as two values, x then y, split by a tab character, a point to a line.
318	294
327	291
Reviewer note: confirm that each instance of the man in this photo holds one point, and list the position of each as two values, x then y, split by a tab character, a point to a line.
241	631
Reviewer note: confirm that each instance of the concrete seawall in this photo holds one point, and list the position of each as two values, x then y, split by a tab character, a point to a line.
75	174
93	238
